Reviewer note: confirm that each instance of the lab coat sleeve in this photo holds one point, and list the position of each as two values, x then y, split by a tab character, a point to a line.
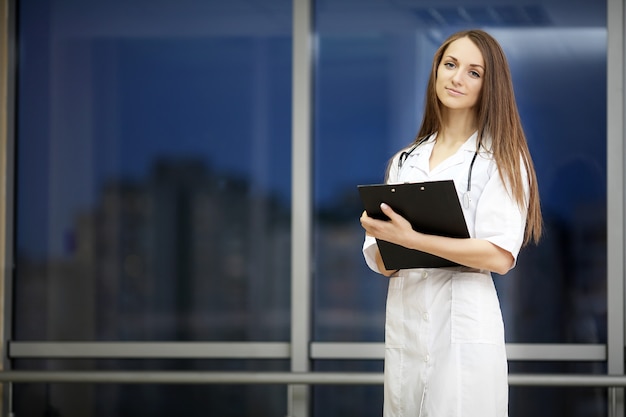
369	252
499	219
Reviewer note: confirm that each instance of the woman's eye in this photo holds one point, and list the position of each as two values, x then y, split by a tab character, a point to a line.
475	74
449	64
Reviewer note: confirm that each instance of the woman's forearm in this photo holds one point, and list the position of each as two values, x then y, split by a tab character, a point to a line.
474	253
471	252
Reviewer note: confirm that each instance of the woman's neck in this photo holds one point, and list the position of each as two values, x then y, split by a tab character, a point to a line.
457	126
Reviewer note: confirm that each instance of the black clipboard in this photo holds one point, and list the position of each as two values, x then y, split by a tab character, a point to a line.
431	207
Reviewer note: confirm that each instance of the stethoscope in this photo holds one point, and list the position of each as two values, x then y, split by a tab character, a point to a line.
466	195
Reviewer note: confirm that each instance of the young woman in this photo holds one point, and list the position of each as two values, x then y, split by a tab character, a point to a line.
444	335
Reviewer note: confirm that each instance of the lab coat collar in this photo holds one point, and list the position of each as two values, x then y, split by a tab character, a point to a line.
420	157
470	143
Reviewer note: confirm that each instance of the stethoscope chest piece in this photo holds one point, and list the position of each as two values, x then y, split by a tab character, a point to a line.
467	199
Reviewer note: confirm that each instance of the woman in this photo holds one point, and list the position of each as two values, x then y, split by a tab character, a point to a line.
444	335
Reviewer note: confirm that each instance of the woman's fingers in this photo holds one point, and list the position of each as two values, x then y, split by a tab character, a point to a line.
388	211
392	230
397	220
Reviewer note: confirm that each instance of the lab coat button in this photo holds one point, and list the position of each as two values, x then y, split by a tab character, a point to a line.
424	274
426	317
427	358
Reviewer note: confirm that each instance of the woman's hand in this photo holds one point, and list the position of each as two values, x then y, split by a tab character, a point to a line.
379	228
395	230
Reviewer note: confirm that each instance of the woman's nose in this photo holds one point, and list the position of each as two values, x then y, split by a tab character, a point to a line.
456	78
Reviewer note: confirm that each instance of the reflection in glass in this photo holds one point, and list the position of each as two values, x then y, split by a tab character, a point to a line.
558	401
370	83
372	68
352	400
153	193
153	400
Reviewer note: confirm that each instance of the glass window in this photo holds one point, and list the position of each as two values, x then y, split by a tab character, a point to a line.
372	71
154	187
373	63
153	177
348	400
152	400
558	401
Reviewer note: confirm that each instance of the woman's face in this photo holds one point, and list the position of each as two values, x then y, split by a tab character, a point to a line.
460	75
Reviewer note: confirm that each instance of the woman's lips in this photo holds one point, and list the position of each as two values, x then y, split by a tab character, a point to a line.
454	92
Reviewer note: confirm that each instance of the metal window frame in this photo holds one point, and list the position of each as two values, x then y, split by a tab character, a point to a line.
299	349
616	137
7	161
301	206
272	350
279	378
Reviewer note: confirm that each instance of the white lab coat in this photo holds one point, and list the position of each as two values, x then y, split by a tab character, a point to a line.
444	336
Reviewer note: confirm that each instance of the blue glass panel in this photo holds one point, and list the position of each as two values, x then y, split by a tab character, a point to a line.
152	400
558	401
153	192
372	70
372	67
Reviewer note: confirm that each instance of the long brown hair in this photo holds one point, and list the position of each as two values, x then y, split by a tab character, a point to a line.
498	119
